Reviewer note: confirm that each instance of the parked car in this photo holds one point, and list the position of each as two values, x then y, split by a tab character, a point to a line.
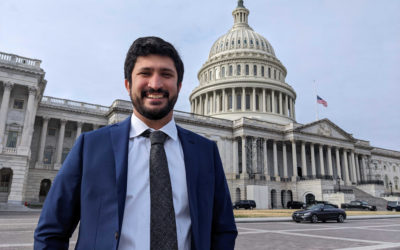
246	204
320	212
393	205
295	204
358	205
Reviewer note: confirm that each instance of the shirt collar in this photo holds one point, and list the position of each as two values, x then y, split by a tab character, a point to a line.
138	127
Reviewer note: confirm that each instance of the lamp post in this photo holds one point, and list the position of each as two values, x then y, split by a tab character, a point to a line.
391	190
338	182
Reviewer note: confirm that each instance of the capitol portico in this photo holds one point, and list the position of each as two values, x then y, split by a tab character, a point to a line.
242	102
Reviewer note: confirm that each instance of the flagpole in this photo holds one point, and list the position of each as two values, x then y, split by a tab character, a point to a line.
316	103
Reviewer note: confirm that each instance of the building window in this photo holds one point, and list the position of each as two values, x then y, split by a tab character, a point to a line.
238	101
64	154
233	42
230	70
230	102
5	179
48	155
210	75
251	41
255	70
51	131
223	72
68	134
269	72
275	74
247	70
238	70
257	102
245	41
247	101
18	104
262	71
12	139
238	42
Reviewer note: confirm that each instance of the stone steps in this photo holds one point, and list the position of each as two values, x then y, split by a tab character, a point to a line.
380	203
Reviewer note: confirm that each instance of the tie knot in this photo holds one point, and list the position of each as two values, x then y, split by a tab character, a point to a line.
157	137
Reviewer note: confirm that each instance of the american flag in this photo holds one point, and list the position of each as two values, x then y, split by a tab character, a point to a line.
322	101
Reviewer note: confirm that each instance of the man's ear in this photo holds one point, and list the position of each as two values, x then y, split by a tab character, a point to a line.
179	86
127	86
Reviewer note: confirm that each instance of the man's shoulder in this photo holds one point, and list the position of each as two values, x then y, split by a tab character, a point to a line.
106	129
193	136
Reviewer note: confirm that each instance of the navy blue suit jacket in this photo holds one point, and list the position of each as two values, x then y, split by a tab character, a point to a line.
90	188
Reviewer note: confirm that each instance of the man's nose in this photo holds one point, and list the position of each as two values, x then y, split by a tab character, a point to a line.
155	81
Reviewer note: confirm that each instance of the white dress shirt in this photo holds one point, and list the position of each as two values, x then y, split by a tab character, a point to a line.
135	232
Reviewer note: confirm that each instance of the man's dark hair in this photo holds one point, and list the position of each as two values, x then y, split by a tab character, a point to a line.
151	45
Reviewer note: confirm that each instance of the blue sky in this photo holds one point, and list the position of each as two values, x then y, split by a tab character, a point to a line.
351	48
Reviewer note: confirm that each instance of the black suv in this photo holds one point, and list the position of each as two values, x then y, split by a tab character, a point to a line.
295	204
393	205
246	204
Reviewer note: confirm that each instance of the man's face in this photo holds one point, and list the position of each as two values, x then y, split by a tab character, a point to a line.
154	89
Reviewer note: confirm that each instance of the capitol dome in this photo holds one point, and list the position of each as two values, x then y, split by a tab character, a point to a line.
243	77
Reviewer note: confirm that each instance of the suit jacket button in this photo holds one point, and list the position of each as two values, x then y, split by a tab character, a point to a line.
116	235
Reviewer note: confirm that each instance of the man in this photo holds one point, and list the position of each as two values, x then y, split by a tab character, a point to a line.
128	188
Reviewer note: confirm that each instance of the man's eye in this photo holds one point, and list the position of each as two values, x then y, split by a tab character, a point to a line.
144	73
167	75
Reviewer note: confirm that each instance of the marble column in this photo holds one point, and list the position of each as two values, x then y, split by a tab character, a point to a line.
285	105
266	170
195	106
60	141
254	155
25	143
313	169
357	167
338	168
285	167
244	158
43	139
264	106
223	101
254	100
294	110
346	167
291	107
321	160
303	159
269	105
213	103
233	100
218	100
294	160
243	99
353	166
273	108
201	106
330	168
364	167
280	104
4	110
207	102
78	129
235	156
275	154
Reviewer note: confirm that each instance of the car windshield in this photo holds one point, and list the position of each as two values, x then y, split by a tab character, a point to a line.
391	203
315	207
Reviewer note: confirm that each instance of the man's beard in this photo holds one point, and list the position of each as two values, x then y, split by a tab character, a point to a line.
151	114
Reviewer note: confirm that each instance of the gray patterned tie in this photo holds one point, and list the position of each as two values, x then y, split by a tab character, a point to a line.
162	214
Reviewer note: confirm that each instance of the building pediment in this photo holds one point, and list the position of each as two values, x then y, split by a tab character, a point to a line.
325	128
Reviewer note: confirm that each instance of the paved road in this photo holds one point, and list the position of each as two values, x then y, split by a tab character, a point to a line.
353	234
16	232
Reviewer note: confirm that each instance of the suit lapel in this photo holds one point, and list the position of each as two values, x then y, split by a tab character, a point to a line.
120	138
189	151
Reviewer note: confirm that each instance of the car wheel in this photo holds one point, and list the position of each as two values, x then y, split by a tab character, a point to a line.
324	221
314	219
297	221
340	218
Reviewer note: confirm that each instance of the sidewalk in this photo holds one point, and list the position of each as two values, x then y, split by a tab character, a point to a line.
9	207
287	219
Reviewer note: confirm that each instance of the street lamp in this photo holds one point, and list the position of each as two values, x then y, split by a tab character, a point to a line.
338	182
391	190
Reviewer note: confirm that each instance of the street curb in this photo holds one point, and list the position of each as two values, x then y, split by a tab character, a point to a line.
287	219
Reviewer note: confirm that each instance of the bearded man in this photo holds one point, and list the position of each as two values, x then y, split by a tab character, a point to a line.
144	183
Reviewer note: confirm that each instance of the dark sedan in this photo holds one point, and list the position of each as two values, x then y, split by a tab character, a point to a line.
320	212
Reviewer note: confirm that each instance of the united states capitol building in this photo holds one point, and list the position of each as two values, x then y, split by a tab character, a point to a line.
242	102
